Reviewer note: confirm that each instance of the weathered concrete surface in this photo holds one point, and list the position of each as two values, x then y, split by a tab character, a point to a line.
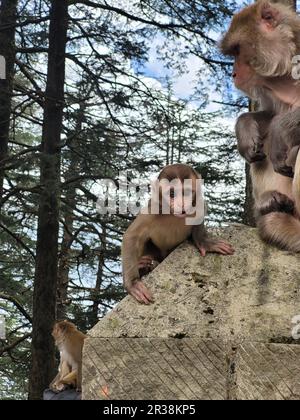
155	369
267	372
249	297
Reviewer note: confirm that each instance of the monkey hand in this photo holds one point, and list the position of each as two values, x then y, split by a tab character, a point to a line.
215	246
255	152
279	158
285	141
250	140
147	264
140	292
58	387
287	168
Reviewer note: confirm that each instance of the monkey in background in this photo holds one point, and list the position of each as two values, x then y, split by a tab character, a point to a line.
152	237
263	39
69	341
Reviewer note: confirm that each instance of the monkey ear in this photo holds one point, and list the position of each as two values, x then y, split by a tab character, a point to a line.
269	15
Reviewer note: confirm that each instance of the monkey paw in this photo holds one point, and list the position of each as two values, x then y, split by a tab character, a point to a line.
58	387
279	157
255	154
282	168
147	264
140	292
216	246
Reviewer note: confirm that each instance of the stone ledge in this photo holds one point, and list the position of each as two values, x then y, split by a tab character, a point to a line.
189	369
240	305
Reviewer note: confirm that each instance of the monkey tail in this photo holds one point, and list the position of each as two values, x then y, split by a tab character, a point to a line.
296	184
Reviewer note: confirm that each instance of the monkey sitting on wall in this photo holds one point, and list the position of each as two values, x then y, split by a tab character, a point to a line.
263	39
153	236
69	341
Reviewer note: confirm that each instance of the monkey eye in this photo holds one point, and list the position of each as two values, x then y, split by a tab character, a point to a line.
267	15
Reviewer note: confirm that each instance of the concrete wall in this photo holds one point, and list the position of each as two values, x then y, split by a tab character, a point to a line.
220	328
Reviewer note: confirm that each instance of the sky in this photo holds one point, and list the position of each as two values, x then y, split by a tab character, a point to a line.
184	85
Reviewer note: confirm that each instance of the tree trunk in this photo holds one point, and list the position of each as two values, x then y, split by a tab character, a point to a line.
248	216
68	216
8	16
45	286
64	257
99	280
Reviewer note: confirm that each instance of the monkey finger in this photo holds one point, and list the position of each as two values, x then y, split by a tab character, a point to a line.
257	157
202	250
142	294
220	251
227	247
147	295
223	248
137	295
284	170
227	250
224	245
145	262
146	258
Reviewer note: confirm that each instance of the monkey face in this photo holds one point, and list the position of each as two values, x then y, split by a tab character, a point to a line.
61	328
262	39
178	198
244	76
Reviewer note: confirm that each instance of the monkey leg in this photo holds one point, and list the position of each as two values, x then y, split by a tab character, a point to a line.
57	385
280	229
70	379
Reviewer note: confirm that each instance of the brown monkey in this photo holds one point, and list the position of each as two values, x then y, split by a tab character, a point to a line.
69	340
151	237
263	38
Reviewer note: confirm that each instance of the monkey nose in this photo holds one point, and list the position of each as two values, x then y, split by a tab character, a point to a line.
234	75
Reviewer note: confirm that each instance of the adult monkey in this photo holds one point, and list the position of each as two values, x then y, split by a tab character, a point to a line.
69	340
264	39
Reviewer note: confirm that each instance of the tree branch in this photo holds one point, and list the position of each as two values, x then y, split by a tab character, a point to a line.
17	304
17	239
10	347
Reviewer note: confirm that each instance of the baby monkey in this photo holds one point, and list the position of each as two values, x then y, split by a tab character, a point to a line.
174	214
